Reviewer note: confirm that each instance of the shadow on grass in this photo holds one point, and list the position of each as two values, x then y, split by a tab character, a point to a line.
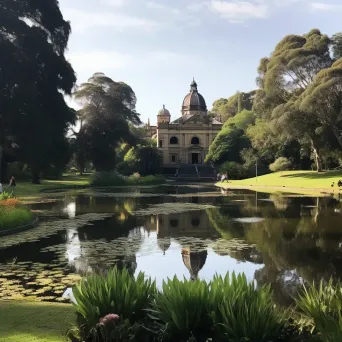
314	175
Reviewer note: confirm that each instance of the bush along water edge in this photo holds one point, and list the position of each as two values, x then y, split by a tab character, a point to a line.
119	307
115	179
13	214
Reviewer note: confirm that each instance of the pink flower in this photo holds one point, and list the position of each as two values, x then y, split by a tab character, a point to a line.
110	318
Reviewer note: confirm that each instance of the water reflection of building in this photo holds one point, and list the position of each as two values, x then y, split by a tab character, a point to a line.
194	223
194	261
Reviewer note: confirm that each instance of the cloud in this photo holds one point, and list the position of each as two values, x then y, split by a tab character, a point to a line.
84	20
175	17
94	61
239	11
169	57
115	3
196	6
98	60
323	6
156	5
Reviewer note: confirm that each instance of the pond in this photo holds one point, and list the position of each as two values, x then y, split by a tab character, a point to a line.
191	231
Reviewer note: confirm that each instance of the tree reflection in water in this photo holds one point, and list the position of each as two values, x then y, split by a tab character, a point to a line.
295	239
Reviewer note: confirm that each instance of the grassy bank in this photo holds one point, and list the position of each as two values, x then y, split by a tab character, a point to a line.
13	214
34	321
29	191
291	181
114	179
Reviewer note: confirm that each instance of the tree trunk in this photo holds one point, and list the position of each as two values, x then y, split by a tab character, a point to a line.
35	177
318	160
3	171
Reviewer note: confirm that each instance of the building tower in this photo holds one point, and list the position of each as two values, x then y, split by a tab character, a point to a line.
194	102
163	116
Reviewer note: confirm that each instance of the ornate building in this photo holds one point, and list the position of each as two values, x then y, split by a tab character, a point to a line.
186	140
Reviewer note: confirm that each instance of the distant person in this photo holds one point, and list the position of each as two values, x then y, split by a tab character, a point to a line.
339	184
12	184
224	177
0	188
218	176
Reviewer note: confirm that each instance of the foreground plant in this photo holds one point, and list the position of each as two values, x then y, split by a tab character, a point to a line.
322	307
181	310
99	295
243	312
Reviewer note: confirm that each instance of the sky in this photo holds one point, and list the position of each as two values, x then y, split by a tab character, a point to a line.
158	46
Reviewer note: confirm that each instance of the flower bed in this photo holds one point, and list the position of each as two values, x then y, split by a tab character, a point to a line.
13	215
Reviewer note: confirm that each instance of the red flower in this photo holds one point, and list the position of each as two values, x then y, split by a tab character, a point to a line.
110	318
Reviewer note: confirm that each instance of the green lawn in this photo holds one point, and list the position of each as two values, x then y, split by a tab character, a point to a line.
292	179
27	189
34	321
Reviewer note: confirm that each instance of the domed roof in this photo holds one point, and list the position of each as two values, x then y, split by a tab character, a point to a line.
164	244
164	111
194	261
194	100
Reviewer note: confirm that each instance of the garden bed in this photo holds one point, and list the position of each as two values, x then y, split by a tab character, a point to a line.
15	217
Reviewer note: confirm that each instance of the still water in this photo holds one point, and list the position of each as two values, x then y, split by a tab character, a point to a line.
190	231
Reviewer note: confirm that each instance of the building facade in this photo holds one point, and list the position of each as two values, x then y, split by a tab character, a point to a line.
186	140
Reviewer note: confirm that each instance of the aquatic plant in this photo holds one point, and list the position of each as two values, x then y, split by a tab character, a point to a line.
181	310
322	307
243	312
49	228
117	291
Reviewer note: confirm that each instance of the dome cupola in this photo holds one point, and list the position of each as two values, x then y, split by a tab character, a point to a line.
194	101
163	116
164	111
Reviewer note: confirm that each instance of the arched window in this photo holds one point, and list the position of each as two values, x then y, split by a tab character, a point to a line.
195	222
174	141
174	223
195	141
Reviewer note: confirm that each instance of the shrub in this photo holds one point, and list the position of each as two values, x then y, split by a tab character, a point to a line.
227	309
244	312
115	179
13	215
181	310
111	328
233	169
5	196
322	306
108	179
10	202
146	160
99	295
125	168
280	164
147	180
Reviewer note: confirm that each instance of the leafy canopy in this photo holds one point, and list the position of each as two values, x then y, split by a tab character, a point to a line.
108	110
34	76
